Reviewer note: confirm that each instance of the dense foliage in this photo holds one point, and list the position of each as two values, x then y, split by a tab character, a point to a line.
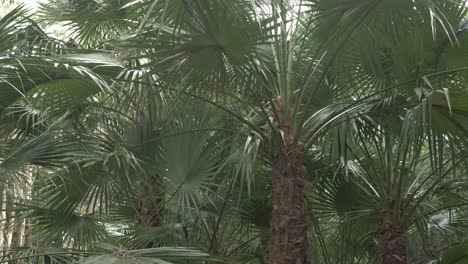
234	131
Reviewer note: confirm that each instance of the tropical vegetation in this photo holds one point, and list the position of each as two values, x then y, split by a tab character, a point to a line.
234	131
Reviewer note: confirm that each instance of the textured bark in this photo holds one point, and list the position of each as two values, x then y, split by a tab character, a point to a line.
289	222
392	243
151	209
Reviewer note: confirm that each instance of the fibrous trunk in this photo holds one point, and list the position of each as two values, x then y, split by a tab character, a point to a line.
151	207
289	222
392	243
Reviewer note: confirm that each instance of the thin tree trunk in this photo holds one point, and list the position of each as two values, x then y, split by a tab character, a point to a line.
7	218
392	242
11	223
3	219
19	233
27	233
289	220
29	196
19	224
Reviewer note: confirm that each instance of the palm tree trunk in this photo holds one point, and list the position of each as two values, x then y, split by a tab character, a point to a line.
392	242
7	218
3	229
289	222
151	209
27	233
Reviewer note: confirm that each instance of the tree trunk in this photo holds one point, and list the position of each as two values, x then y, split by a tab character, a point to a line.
7	217
151	207
27	233
392	243
289	221
19	233
3	229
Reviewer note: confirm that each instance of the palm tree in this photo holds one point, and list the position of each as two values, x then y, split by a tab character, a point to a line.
278	61
97	146
391	190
